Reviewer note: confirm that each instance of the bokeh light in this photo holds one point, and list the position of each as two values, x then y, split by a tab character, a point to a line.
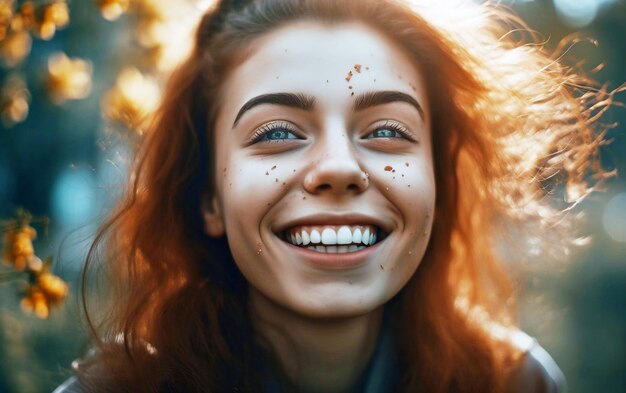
74	197
614	218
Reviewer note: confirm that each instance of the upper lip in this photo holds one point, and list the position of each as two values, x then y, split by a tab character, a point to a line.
333	219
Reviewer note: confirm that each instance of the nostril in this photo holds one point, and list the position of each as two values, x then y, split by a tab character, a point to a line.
324	187
353	187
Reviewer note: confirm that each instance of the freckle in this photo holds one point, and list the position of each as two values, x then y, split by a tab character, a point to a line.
351	94
357	67
406	163
303	198
284	183
388	168
274	167
276	180
394	178
294	171
409	186
350	87
269	203
381	267
393	171
267	173
367	68
278	77
349	76
399	76
403	175
326	80
374	79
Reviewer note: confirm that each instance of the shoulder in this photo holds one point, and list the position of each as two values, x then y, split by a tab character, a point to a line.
71	385
537	371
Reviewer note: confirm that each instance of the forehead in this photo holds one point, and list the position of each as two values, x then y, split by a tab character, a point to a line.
329	62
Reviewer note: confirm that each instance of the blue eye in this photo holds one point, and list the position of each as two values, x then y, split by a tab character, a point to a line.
386	133
277	134
390	129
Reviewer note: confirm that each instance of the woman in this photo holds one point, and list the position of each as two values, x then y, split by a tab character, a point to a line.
316	205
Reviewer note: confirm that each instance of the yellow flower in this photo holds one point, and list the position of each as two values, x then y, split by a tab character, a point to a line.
112	9
14	101
132	100
55	16
36	301
68	79
15	47
19	247
53	287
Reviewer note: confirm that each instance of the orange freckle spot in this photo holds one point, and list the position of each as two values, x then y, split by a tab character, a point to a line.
349	76
388	168
284	183
357	67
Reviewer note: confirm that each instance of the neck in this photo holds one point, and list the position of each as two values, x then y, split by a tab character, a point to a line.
315	354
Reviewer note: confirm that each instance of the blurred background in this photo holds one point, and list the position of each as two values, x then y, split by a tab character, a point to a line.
76	75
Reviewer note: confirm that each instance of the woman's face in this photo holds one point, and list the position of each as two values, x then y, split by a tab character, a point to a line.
325	184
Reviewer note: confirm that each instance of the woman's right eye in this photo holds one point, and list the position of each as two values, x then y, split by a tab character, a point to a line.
275	132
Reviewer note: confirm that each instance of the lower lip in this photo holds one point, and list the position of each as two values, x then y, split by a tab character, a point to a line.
347	260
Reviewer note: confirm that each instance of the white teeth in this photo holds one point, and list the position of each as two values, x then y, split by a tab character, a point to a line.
320	248
329	236
331	249
344	235
342	249
311	248
315	236
366	237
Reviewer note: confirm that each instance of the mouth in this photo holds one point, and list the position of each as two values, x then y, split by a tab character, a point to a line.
333	239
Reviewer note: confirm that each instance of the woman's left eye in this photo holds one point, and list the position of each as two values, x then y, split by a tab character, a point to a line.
385	133
390	130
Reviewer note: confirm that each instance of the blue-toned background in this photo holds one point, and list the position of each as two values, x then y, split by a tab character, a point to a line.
66	162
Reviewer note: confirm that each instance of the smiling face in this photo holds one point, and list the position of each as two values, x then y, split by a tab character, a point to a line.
325	182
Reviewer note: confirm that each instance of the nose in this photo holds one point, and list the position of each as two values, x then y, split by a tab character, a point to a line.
336	172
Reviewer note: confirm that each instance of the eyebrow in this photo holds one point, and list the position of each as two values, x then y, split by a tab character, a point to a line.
299	101
370	99
307	102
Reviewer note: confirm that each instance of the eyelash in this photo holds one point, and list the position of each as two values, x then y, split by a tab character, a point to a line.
267	128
